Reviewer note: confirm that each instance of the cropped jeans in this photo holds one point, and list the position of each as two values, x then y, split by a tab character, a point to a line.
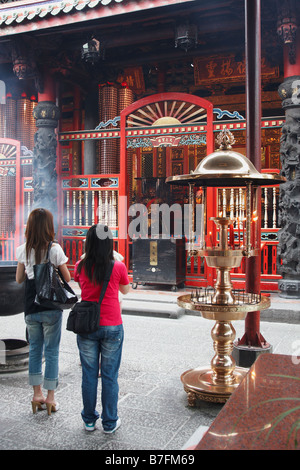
44	333
106	343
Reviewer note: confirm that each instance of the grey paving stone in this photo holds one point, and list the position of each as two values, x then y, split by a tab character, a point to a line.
152	403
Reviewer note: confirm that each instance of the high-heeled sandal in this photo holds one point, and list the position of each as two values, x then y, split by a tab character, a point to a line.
52	407
37	405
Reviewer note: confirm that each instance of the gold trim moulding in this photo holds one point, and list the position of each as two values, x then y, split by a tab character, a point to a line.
222	312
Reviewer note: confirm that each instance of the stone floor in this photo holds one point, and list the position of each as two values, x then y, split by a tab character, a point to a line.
152	403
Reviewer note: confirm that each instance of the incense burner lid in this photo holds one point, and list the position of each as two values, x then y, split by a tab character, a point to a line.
225	167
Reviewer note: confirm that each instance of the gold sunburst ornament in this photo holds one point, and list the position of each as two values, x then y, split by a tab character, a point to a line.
7	152
166	113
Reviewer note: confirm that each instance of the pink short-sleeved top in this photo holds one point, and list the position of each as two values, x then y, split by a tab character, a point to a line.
110	313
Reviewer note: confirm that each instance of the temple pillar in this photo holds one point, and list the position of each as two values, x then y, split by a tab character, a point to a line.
252	336
252	343
91	120
288	253
46	114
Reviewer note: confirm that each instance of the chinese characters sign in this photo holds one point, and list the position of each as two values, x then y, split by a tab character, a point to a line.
219	69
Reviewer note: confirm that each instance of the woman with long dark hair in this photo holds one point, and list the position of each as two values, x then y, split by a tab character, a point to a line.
107	341
43	326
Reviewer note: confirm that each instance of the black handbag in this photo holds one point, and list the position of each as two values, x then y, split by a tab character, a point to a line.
52	291
84	317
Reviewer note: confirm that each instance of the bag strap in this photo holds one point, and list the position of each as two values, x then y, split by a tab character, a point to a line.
48	252
106	280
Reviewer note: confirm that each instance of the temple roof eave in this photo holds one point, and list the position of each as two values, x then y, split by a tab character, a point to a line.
27	16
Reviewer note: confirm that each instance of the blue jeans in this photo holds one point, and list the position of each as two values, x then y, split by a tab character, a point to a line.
107	343
44	332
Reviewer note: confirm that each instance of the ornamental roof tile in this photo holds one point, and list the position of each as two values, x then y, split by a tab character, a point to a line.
28	15
20	11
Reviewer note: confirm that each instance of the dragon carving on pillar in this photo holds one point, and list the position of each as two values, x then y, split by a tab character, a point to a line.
46	114
288	254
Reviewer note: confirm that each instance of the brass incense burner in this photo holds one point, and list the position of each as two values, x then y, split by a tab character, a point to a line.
221	303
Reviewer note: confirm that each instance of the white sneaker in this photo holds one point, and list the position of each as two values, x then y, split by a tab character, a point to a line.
118	424
89	426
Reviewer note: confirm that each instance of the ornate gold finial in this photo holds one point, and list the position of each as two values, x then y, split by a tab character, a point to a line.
225	139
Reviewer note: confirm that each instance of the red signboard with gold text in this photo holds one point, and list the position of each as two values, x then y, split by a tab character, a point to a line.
219	69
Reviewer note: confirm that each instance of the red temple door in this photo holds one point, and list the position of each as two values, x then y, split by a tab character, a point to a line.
169	118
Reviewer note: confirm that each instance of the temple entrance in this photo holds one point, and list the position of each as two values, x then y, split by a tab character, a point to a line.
159	136
163	135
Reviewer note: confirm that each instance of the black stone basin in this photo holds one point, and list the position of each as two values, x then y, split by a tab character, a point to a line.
14	353
11	293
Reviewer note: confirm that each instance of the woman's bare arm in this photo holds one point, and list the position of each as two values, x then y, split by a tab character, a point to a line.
65	272
124	289
20	273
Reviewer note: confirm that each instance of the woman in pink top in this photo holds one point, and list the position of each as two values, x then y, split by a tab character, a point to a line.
107	341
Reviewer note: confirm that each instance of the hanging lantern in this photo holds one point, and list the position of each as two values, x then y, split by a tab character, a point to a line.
92	51
23	59
186	36
287	26
287	29
287	22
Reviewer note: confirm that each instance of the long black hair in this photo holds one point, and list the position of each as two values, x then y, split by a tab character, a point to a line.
98	253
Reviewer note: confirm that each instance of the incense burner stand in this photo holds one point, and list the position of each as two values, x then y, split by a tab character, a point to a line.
217	382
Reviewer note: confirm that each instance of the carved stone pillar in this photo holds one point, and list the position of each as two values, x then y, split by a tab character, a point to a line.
288	257
46	114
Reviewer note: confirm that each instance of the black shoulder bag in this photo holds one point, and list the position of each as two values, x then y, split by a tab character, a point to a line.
84	317
52	291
